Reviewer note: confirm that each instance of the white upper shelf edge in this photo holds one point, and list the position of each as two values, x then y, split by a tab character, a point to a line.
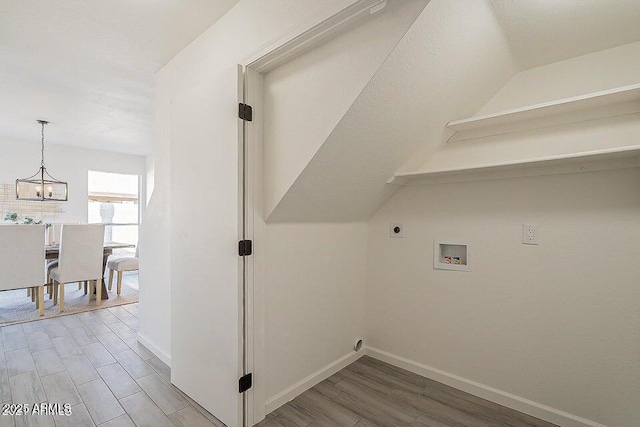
631	150
545	109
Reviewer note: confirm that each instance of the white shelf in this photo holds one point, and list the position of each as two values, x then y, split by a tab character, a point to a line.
561	159
549	109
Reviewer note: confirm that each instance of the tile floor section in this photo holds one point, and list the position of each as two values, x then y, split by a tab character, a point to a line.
93	362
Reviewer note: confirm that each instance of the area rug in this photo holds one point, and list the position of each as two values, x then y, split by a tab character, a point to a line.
16	306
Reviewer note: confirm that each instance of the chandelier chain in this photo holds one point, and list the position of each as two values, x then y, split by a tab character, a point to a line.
42	146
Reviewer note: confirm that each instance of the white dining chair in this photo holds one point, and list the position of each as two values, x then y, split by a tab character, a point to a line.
21	256
120	265
54	239
80	259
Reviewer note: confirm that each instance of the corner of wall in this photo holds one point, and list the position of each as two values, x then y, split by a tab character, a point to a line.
311	380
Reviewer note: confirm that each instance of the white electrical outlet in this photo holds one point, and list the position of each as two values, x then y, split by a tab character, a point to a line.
529	234
396	230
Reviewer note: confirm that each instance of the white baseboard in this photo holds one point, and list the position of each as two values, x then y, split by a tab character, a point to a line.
154	349
306	383
509	400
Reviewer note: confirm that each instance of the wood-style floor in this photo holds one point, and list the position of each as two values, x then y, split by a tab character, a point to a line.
373	393
93	362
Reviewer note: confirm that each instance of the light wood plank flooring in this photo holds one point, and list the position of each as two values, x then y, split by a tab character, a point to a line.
92	361
373	393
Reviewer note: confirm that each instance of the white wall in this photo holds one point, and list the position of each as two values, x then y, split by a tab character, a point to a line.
555	323
155	237
21	159
314	299
196	100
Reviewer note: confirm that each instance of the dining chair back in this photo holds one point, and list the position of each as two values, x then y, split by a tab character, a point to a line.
81	252
21	256
21	260
80	259
56	230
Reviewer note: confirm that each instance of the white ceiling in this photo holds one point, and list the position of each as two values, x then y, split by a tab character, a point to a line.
540	32
88	66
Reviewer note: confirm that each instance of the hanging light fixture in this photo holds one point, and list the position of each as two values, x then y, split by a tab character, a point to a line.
42	186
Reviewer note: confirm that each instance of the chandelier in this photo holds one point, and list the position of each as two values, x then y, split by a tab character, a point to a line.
42	186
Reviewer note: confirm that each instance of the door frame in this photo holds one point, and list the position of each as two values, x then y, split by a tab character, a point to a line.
252	224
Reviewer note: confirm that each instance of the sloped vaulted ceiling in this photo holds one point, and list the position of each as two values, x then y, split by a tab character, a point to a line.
305	98
450	62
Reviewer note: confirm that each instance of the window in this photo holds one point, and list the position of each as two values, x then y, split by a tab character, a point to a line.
114	201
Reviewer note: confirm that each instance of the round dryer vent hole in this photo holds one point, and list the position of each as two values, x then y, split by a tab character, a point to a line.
396	230
357	345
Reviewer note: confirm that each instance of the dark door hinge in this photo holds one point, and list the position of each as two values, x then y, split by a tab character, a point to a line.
245	247
245	112
245	382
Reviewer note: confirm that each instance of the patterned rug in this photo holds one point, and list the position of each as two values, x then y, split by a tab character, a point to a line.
16	306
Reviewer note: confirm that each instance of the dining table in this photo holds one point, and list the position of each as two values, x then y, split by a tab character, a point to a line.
53	252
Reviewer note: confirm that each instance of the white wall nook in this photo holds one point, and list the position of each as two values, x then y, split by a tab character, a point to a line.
451	256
